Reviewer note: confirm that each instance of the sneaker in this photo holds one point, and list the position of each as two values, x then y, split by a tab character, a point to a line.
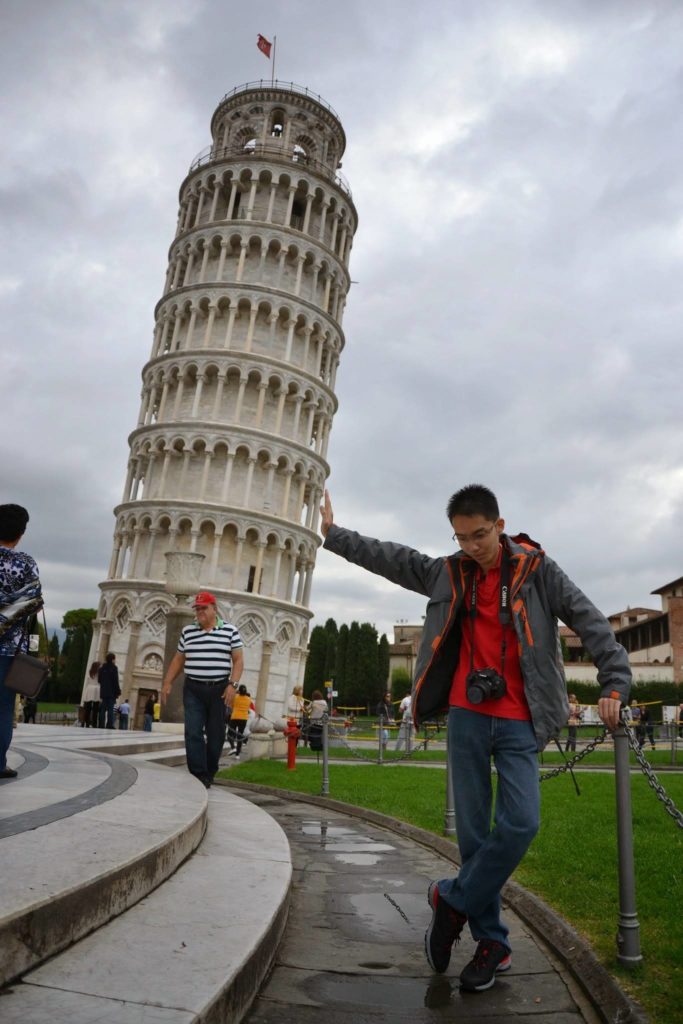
491	958
233	753
8	773
444	930
237	757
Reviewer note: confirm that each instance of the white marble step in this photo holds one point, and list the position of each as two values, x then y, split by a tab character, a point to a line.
197	948
76	855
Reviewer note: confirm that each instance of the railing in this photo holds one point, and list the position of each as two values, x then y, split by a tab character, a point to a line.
264	83
269	151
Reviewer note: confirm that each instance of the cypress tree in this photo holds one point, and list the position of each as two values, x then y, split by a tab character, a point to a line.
315	665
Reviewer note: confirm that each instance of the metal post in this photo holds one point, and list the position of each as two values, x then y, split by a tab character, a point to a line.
628	928
325	791
449	816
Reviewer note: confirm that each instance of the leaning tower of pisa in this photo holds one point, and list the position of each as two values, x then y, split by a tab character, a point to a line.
228	457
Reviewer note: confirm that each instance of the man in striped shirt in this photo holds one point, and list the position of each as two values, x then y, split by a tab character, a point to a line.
210	654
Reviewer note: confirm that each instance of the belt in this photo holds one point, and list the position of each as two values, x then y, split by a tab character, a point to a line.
209	682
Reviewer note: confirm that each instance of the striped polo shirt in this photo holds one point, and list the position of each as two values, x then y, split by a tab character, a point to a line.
208	655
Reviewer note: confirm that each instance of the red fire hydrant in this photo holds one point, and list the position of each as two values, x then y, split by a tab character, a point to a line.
292	732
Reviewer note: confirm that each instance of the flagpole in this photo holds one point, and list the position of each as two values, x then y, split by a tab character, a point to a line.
272	80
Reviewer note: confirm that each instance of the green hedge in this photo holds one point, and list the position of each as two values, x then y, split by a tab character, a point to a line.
667	693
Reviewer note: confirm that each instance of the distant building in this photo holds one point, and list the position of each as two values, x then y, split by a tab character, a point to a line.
653	640
403	651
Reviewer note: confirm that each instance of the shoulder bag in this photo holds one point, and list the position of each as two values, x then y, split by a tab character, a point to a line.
27	674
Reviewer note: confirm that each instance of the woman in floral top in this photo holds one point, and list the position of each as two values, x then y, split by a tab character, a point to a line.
19	598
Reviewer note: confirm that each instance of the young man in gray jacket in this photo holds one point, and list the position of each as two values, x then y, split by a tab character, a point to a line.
490	655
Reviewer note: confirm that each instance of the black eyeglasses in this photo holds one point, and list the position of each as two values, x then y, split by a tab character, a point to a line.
473	538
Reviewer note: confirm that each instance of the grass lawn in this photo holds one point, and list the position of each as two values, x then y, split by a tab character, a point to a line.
45	706
550	758
571	863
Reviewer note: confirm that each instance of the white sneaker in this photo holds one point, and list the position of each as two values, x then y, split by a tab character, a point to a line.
237	757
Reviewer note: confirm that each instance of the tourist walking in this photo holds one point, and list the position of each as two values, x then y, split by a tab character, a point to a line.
124	713
489	655
110	691
149	713
241	706
91	697
210	654
20	597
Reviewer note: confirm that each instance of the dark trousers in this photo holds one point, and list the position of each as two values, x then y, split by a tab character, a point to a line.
204	726
106	714
235	731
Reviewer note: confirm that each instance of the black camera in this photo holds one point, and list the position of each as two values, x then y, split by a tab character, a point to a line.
485	684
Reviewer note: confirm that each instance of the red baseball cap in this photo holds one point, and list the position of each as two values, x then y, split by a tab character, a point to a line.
202	599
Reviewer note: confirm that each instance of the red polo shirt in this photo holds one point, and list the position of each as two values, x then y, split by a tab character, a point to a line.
488	640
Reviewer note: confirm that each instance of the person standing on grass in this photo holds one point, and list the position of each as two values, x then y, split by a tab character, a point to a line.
490	655
385	717
573	722
210	654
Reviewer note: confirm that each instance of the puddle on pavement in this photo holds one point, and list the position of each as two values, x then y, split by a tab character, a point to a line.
346	845
384	992
361	860
380	913
321	828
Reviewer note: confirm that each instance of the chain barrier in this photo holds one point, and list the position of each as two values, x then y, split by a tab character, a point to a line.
568	765
651	777
643	762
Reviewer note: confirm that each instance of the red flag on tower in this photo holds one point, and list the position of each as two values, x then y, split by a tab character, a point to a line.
263	45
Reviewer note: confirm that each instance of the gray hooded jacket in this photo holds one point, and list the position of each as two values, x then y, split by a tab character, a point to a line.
540	593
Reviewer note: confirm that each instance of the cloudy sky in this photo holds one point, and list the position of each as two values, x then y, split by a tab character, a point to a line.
518	308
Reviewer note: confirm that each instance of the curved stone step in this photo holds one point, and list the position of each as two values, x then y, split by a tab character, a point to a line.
84	838
196	949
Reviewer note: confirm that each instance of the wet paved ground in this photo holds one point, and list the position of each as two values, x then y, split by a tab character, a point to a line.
353	950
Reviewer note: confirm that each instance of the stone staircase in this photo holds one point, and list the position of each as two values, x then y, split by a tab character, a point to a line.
131	893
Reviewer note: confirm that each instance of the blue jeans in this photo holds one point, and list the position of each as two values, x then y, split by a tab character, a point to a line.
147	727
204	727
7	700
490	851
123	721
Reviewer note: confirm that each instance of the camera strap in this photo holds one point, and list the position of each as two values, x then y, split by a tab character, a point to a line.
504	616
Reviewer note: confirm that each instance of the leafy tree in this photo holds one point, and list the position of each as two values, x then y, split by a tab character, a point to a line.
51	691
400	681
332	635
342	650
78	624
315	664
370	687
351	694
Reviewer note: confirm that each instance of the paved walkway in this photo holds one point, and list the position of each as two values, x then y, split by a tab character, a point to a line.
353	948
